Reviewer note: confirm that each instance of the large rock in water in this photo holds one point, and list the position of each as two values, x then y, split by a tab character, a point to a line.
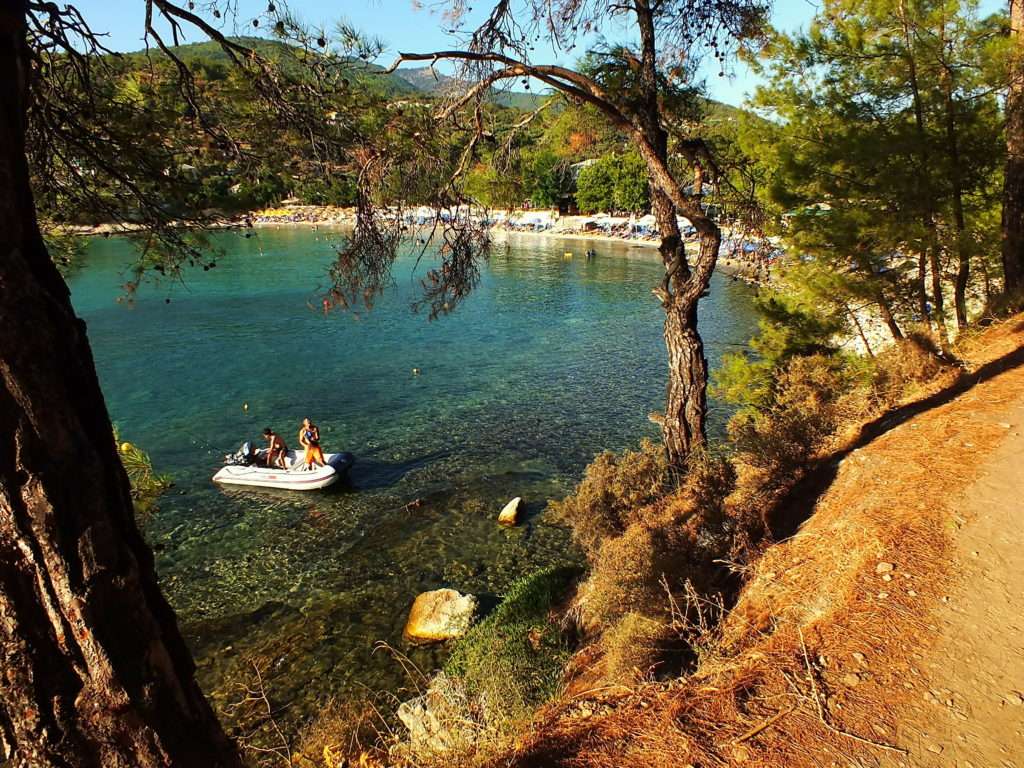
440	615
510	514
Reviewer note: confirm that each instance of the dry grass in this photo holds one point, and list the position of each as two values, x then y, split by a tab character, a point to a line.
821	649
344	733
613	494
632	648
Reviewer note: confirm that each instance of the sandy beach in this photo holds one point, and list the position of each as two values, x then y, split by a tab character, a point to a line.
508	225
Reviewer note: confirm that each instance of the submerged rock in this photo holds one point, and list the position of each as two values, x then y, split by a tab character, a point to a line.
442	614
510	514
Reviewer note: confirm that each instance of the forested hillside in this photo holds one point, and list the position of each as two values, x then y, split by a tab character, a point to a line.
261	161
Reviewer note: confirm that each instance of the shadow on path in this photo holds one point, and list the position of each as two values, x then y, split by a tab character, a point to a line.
801	501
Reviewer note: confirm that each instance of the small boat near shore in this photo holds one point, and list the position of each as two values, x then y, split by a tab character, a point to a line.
244	468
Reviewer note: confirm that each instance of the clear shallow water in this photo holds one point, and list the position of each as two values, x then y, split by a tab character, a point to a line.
550	361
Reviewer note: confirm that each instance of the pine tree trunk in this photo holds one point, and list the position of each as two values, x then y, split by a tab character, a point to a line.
685	426
930	249
963	270
686	396
938	306
95	673
922	287
1013	190
890	320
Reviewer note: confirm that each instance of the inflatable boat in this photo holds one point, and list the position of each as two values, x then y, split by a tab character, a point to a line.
244	468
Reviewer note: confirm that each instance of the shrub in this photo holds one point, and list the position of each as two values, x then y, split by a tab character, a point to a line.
511	662
742	380
342	733
791	326
633	647
710	478
627	575
904	366
614	490
811	397
637	532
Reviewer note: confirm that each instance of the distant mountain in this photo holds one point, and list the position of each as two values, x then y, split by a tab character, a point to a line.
288	57
425	80
401	82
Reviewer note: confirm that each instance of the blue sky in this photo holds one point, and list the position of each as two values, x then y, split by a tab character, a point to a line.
403	27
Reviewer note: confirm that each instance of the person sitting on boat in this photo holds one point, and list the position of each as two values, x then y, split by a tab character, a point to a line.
309	438
276	449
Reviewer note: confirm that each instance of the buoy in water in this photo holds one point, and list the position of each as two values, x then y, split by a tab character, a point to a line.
415	371
245	406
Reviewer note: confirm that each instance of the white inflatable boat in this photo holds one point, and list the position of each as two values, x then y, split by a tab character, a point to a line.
295	477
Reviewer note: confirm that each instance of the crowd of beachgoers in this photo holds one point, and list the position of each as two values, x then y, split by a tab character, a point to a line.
744	256
749	257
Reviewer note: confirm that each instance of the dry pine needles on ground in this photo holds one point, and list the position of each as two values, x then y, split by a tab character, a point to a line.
821	652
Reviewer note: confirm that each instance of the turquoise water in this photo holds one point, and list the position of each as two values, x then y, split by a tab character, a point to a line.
550	361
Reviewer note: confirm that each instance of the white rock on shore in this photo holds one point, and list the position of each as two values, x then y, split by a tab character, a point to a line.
442	614
438	720
510	514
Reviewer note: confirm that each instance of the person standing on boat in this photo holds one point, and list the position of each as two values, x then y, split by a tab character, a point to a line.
276	449
309	438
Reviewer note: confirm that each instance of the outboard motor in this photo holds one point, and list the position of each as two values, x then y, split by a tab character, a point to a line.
243	457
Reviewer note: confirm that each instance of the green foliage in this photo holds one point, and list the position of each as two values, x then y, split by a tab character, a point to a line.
512	660
261	190
146	484
885	113
578	132
611	494
631	188
791	325
334	190
544	179
493	188
595	186
64	248
614	183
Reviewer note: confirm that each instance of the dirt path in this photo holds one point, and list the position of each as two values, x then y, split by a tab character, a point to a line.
885	631
972	713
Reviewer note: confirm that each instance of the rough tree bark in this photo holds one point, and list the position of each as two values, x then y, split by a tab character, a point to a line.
686	391
1013	190
95	673
684	426
963	256
889	319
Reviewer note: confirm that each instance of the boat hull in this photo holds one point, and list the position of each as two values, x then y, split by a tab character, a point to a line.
294	478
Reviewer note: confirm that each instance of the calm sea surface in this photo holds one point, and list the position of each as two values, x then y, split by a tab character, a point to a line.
549	362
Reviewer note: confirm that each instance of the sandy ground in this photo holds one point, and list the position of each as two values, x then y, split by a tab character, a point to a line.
972	710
